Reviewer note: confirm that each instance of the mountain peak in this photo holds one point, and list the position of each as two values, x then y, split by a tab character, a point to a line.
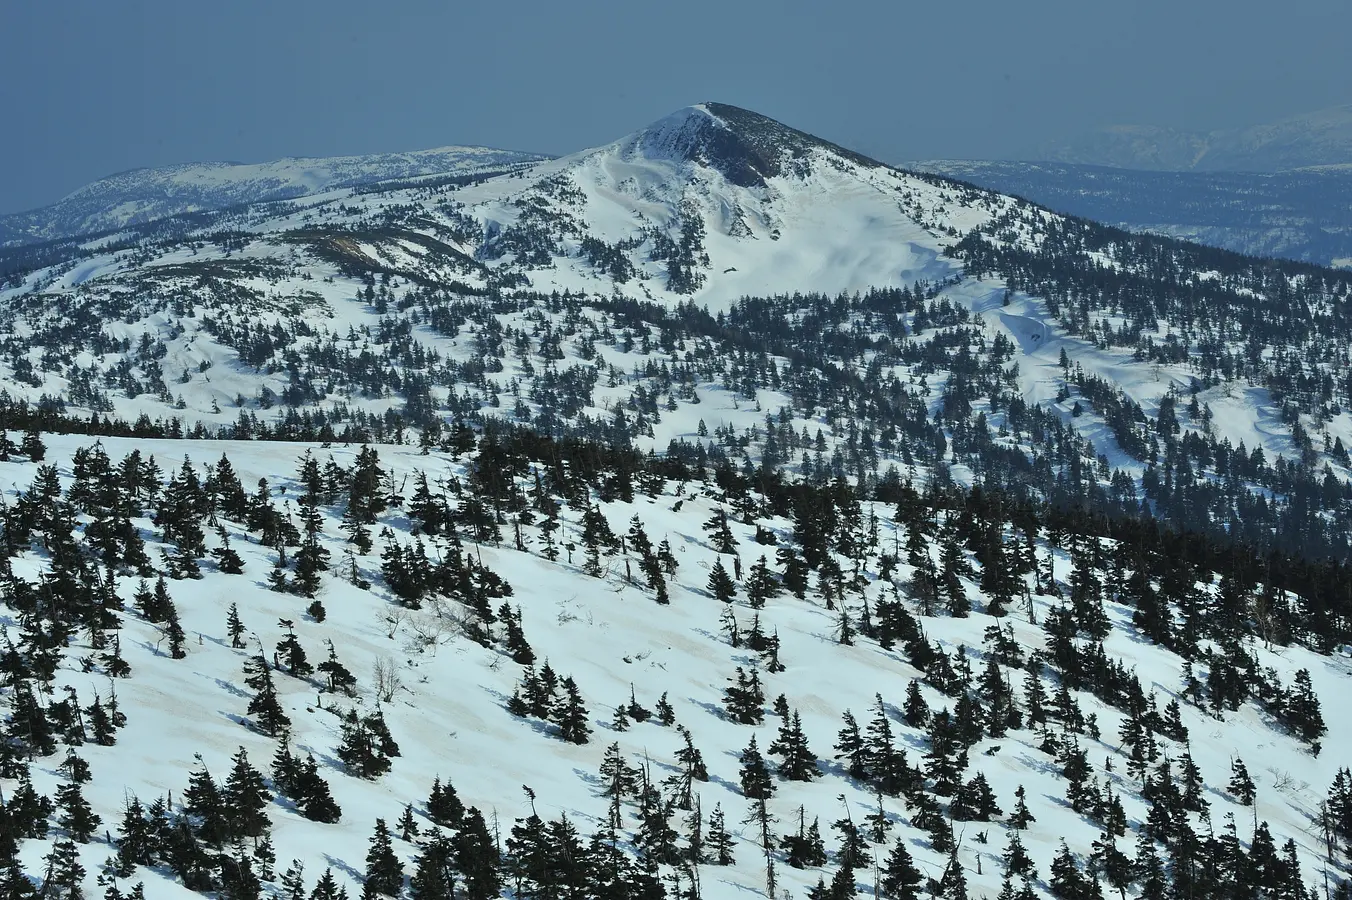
745	146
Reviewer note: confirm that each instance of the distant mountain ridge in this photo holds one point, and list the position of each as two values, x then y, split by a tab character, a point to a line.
1304	215
144	195
1320	138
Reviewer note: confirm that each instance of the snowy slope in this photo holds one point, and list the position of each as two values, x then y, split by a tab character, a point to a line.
449	714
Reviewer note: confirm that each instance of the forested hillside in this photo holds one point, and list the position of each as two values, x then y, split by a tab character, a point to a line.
714	511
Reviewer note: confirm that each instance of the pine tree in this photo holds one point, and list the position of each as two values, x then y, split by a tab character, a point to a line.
238	879
234	627
366	745
227	560
744	700
327	888
692	770
1302	713
136	845
571	714
32	446
798	763
842	886
265	706
77	816
1241	785
14	884
65	875
434	870
721	585
1021	817
443	805
953	883
1067	881
340	679
719	842
665	714
476	854
804	848
761	584
384	872
174	631
1016	858
915	711
515	640
245	797
293	881
853	849
204	801
300	781
755	774
850	746
720	535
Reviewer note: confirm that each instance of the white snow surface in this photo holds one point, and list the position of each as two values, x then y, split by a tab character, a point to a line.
449	717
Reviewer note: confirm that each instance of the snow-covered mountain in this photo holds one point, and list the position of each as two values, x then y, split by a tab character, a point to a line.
1304	214
144	195
717	397
1321	138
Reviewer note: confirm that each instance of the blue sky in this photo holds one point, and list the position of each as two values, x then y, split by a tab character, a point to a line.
92	88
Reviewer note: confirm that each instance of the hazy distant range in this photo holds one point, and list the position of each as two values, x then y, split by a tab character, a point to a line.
1277	189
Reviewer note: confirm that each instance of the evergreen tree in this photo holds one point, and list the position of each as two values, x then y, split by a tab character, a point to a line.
721	585
340	679
755	774
719	842
1241	786
571	714
174	631
842	886
366	745
204	802
327	888
245	797
65	876
14	884
720	535
443	805
1301	711
804	848
744	700
1020	818
953	884
850	746
384	871
291	654
77	817
434	870
915	711
476	854
798	763
234	628
136	845
1016	858
238	880
761	585
1067	880
265	707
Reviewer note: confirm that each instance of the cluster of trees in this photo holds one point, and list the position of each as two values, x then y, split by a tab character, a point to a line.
837	553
